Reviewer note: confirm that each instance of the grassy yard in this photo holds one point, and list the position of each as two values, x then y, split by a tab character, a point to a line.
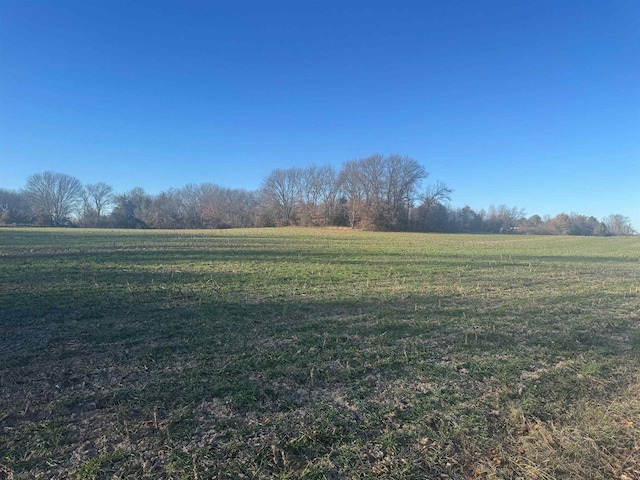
317	354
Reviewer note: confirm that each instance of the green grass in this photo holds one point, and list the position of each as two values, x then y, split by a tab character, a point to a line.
310	353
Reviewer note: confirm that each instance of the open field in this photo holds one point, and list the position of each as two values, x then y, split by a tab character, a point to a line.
295	353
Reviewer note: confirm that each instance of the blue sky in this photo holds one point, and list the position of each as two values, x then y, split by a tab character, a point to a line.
531	104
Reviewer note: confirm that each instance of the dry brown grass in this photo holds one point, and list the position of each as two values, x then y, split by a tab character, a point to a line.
596	441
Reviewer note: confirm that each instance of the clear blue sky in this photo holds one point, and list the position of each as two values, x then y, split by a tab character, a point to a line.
534	104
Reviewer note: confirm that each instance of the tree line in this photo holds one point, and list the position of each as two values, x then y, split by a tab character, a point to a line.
385	193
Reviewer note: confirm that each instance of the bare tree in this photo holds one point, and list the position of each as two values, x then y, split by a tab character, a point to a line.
438	193
211	206
380	191
165	210
192	196
317	194
237	208
436	219
216	206
97	198
327	178
14	207
431	214
404	174
503	219
53	196
558	225
351	187
210	201
618	225
281	190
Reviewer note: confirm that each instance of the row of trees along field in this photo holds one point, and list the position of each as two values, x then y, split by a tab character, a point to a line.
373	193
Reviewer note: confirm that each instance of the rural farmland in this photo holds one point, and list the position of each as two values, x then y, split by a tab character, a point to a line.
318	354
